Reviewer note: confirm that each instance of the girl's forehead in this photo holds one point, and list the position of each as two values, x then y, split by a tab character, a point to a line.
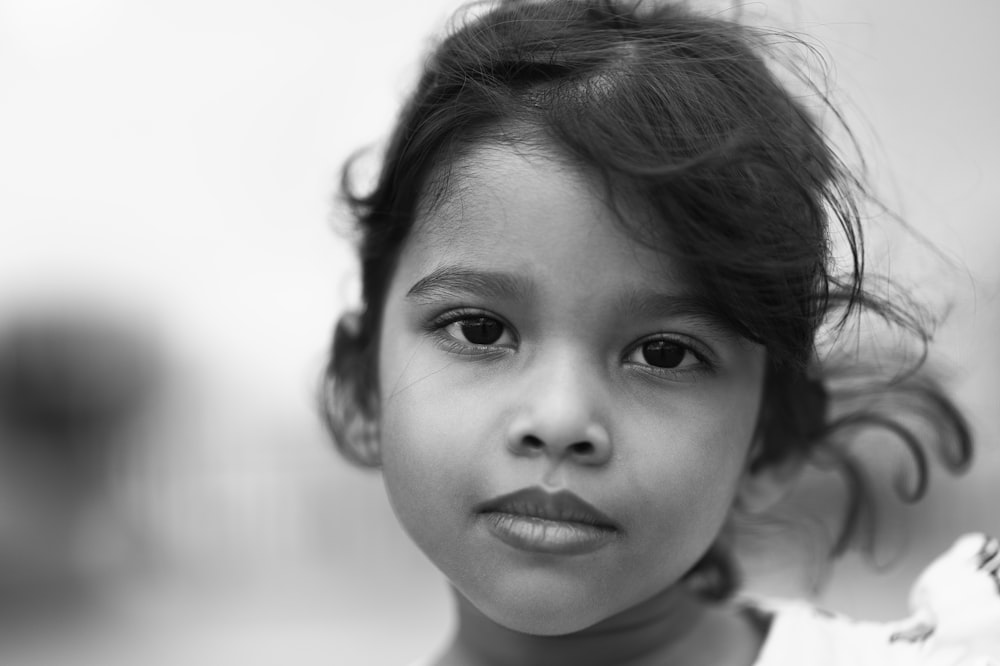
481	179
516	206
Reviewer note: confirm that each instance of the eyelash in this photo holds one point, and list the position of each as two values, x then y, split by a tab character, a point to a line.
447	342
705	363
438	327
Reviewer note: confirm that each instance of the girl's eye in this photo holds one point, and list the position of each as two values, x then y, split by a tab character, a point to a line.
663	353
478	330
666	354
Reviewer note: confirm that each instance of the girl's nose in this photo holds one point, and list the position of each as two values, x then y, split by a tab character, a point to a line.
560	416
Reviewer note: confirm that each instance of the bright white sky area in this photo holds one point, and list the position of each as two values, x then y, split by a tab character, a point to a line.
176	160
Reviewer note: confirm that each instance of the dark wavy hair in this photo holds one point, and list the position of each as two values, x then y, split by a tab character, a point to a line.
687	114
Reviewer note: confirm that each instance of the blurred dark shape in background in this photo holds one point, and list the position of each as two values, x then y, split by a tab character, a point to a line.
73	382
69	380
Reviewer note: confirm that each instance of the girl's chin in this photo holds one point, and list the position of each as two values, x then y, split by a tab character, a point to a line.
556	608
536	614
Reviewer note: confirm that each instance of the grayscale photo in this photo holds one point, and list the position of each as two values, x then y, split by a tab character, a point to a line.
499	333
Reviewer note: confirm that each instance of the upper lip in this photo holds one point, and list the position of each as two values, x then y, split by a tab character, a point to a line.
536	502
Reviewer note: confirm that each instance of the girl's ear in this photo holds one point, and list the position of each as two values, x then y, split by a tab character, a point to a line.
764	485
349	392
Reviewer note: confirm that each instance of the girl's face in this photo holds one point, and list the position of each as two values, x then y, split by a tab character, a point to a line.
563	426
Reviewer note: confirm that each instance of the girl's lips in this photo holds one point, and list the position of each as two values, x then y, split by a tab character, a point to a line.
535	520
539	535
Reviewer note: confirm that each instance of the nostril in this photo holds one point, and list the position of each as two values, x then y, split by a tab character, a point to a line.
583	450
532	442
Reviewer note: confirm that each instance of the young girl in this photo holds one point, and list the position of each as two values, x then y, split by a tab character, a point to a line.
601	307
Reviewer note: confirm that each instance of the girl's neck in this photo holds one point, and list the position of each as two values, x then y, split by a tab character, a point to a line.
674	627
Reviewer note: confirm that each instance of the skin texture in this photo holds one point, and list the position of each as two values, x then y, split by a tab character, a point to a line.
563	399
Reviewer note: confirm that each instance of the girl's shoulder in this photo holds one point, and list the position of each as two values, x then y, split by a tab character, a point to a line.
955	620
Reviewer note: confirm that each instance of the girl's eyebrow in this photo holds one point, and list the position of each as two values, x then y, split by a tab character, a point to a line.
654	304
448	281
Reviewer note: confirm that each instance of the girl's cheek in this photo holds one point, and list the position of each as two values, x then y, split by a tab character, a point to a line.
422	402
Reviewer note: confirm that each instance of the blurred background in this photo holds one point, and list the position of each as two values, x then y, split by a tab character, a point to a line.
169	252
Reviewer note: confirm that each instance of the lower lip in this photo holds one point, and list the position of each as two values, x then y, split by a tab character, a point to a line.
540	535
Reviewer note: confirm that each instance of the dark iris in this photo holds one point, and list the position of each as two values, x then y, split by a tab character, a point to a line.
663	353
481	330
